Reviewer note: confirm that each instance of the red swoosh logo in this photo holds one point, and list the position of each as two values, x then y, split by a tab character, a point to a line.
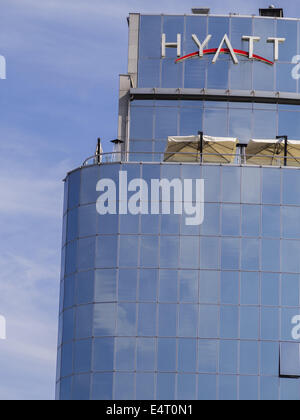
225	51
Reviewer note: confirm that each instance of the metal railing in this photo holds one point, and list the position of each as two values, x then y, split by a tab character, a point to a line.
197	158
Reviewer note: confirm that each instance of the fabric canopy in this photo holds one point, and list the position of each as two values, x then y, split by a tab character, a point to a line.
272	152
188	149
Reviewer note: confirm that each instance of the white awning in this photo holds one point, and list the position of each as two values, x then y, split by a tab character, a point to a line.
188	149
272	152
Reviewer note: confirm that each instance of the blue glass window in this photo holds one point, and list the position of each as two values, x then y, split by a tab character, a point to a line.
124	386
229	322
127	286
269	388
104	319
209	253
129	251
249	357
69	291
271	221
85	287
168	286
231	184
81	388
269	356
68	325
250	254
228	355
149	251
207	356
269	324
145	386
86	253
251	220
89	178
145	359
270	255
167	321
270	289
125	353
188	320
103	356
207	387
148	285
209	321
141	123
187	355
189	252
250	288
186	387
230	287
251	188
271	186
102	386
126	322
106	252
290	290
227	387
87	220
248	388
150	36
105	285
73	189
166	354
147	319
209	286
67	359
231	215
84	317
189	285
83	356
165	386
230	254
249	323
169	252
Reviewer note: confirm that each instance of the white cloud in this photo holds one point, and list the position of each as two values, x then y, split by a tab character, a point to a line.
28	294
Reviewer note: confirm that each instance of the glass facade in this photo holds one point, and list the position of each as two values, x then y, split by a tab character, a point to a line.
155	71
152	308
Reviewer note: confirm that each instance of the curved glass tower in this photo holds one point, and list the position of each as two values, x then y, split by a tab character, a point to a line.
158	305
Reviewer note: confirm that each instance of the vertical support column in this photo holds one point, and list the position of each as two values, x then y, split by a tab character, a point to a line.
201	139
123	118
133	47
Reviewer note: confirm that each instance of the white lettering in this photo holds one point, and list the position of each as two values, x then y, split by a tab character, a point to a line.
165	44
2	328
276	42
2	67
180	195
123	197
165	187
106	203
251	40
296	329
232	53
196	212
140	197
201	46
296	69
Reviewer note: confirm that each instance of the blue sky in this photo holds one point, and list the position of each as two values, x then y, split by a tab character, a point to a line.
61	93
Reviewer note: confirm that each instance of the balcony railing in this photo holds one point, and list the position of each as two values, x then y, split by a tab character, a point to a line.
194	158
